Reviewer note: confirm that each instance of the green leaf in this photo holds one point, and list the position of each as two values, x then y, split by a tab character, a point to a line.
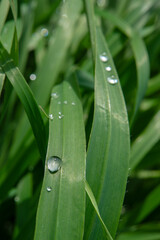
107	158
53	62
4	8
150	203
26	97
139	236
94	203
22	199
61	211
2	78
140	54
145	141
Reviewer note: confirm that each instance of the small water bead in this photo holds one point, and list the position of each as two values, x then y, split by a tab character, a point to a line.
101	3
49	189
44	32
112	80
55	95
60	116
59	113
108	68
59	102
51	116
54	164
65	102
103	57
73	103
33	77
16	199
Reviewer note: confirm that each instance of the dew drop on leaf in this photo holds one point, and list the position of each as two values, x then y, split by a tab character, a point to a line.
54	164
103	57
49	189
112	80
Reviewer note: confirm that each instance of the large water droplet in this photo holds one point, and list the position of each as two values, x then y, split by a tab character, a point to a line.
54	164
103	57
112	80
44	32
51	116
33	77
108	68
49	189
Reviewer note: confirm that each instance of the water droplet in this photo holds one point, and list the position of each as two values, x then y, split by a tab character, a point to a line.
44	32
59	113
65	102
55	95
101	3
33	77
51	116
54	164
49	189
60	116
73	103
59	102
108	68
16	199
103	57
112	80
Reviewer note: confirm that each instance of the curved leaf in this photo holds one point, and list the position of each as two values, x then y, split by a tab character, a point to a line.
61	209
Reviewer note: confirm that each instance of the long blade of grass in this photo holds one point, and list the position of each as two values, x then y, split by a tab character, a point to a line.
139	51
53	61
150	203
94	203
139	236
2	78
4	8
144	143
107	159
26	97
62	208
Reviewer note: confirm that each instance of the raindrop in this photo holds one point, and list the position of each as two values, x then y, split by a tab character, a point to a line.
60	116
112	80
108	68
73	103
101	3
65	102
55	95
49	189
33	77
59	102
44	32
103	57
59	113
54	164
16	199
51	116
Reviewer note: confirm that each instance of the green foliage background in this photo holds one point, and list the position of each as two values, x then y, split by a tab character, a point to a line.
107	135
